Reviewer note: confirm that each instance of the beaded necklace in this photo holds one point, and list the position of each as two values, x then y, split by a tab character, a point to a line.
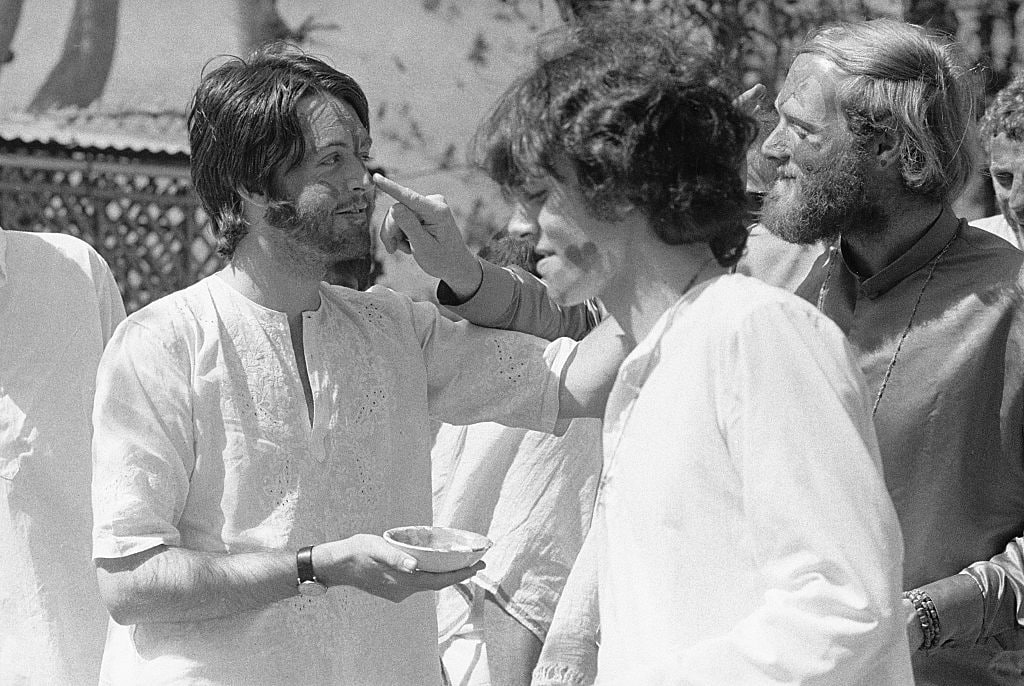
910	322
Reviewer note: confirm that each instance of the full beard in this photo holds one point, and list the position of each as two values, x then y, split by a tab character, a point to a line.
312	232
830	201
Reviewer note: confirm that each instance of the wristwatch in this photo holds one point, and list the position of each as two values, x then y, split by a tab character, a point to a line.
309	585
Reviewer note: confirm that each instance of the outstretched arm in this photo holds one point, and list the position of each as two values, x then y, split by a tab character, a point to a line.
172	584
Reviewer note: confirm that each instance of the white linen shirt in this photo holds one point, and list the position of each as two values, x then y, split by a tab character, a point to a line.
203	441
745	534
58	306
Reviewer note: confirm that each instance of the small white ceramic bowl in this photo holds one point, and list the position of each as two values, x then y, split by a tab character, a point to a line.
439	548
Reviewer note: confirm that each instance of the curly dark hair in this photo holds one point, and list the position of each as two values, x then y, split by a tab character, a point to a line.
642	117
244	130
1005	115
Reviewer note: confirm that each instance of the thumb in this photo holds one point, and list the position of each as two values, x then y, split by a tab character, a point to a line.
391	235
410	224
391	556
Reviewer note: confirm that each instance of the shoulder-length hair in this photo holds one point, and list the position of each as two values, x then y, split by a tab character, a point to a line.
637	113
244	130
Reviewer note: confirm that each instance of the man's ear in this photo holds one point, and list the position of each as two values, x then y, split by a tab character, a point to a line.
886	148
249	198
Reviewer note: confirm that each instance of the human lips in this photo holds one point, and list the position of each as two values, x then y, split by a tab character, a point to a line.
359	209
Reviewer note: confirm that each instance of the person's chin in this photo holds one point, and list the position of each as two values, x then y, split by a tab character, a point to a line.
564	293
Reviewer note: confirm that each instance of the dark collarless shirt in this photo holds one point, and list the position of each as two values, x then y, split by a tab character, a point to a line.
949	421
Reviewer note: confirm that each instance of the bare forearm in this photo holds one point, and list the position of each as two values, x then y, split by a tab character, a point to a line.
165	584
168	584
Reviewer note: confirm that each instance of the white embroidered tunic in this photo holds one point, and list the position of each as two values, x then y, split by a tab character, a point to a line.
203	441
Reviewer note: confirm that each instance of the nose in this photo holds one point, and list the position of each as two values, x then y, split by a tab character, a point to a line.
1016	199
522	223
774	147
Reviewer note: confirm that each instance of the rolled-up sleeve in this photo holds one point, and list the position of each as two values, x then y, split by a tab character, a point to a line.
512	299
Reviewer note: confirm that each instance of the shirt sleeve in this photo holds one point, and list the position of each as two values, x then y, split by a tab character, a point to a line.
512	299
569	655
142	443
984	602
828	549
108	297
476	374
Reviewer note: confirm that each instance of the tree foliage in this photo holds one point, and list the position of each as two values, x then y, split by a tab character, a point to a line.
259	22
753	37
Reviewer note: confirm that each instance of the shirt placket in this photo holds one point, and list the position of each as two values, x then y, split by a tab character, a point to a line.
317	435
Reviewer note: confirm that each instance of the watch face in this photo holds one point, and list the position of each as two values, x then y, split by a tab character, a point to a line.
312	588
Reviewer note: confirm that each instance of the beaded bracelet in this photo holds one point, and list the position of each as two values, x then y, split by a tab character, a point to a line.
927	615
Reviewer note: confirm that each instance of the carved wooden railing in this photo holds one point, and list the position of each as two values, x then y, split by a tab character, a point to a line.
137	210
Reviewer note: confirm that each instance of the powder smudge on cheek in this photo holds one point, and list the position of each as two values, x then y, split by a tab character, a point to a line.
584	257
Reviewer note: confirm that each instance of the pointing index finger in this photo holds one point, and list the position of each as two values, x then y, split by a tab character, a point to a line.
408	197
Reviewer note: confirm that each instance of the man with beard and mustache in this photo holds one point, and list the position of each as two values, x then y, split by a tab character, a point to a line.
871	148
256	432
531	493
1002	135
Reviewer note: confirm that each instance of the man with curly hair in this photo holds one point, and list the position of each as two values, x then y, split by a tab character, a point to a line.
1002	136
742	533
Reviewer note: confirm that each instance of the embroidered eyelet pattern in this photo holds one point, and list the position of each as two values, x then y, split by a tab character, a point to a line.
508	367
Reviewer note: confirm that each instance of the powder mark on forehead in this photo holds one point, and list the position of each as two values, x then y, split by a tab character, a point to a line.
811	90
1006	154
327	121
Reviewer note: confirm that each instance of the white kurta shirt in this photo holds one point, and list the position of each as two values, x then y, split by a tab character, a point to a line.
745	534
58	306
203	441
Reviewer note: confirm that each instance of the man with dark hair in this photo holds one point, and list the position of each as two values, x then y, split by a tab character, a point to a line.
255	433
872	147
1002	136
742	531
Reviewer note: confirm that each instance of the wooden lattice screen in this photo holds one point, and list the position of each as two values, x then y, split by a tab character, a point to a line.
138	211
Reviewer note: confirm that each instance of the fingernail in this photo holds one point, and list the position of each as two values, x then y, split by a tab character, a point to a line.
409	564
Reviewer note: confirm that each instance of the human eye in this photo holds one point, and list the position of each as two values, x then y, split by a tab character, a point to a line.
535	197
1005	179
330	159
533	192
